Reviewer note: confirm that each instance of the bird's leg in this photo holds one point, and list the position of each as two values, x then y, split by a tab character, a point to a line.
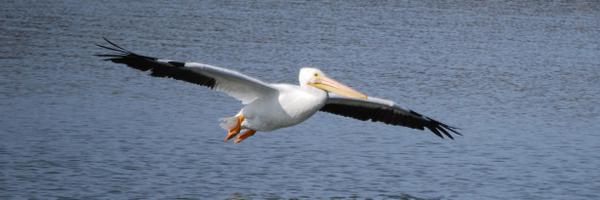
237	128
244	135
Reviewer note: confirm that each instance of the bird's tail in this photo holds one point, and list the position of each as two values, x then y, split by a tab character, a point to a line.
228	123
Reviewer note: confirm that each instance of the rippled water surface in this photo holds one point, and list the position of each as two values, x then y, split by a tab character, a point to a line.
521	79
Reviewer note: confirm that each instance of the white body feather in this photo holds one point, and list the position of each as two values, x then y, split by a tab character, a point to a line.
273	106
289	106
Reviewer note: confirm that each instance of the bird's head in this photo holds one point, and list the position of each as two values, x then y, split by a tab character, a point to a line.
313	77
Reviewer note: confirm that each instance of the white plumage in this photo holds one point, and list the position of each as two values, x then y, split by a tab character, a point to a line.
272	106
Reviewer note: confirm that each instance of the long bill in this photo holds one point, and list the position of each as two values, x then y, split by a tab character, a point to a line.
331	85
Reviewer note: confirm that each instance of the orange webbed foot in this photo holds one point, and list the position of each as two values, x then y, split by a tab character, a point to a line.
236	129
244	135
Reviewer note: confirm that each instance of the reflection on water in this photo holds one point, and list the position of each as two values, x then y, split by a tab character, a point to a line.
240	196
520	78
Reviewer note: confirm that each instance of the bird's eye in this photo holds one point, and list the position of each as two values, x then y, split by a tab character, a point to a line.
316	74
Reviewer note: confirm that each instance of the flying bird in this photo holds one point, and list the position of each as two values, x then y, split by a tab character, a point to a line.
271	106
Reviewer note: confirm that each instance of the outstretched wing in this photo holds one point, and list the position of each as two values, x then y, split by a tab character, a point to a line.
237	85
386	111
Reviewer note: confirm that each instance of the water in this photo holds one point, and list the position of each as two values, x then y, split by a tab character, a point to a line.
521	79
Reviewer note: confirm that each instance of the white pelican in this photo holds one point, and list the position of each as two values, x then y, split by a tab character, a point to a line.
273	106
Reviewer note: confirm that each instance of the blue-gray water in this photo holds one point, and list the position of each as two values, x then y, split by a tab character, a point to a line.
522	80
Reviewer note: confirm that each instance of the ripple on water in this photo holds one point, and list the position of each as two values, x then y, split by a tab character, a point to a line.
521	80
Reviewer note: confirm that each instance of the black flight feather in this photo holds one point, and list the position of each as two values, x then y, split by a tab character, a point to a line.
390	116
172	69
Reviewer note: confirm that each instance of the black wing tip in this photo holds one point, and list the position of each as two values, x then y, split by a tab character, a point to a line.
119	52
115	45
436	131
441	130
452	128
112	49
389	116
158	68
120	55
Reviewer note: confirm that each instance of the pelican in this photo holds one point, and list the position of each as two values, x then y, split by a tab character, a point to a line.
270	106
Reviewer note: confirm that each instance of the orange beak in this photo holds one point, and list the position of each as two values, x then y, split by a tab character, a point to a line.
331	85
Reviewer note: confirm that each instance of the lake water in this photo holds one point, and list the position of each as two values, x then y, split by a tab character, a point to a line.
521	80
